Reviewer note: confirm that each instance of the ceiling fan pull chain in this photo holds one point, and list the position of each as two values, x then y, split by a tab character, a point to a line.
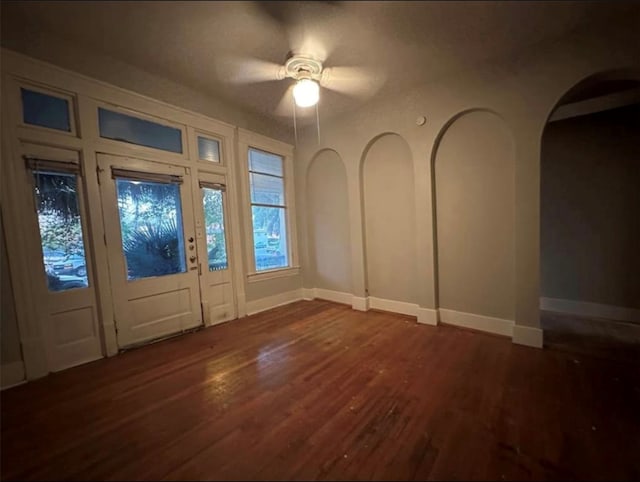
318	124
295	128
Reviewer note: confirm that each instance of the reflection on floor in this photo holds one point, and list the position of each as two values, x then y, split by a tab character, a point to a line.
613	340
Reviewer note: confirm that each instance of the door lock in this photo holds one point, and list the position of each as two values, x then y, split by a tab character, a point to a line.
191	239
192	259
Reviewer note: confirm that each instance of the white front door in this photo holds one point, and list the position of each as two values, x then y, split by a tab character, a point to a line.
150	237
216	280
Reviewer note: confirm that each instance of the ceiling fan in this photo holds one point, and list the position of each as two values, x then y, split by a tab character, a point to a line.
309	74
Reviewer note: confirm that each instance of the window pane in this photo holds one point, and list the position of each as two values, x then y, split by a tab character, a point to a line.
208	149
265	162
45	110
151	227
214	221
60	230
269	237
267	189
125	128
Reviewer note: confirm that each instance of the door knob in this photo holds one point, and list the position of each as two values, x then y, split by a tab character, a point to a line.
191	239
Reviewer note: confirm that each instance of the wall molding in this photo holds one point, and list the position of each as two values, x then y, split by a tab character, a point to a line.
585	308
337	296
12	374
308	294
402	307
527	336
427	316
360	303
498	326
268	302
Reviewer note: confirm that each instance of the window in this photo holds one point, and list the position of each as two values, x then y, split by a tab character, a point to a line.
208	149
268	210
59	220
151	227
125	128
213	206
45	110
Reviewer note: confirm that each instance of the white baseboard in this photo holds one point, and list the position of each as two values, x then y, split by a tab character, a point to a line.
12	374
427	316
308	294
489	324
263	304
528	336
584	308
359	303
402	307
337	296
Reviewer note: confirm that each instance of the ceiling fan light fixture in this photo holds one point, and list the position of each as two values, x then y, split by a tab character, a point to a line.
306	92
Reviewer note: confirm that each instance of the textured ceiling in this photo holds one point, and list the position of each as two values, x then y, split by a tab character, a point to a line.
402	44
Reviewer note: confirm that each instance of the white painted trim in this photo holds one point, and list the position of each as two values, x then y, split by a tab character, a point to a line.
528	336
489	324
427	316
337	296
263	304
12	374
257	276
402	307
584	308
359	303
308	294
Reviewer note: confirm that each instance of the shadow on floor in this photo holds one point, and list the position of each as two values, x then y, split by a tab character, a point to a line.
598	337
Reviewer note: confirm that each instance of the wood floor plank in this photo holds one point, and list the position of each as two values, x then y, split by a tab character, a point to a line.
315	390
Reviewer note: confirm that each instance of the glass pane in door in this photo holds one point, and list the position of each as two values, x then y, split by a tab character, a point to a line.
151	228
213	204
60	226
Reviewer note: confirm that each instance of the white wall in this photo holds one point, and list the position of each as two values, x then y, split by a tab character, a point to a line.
328	220
522	90
475	197
389	218
591	209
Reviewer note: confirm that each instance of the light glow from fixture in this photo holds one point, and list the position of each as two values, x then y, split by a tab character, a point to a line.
306	92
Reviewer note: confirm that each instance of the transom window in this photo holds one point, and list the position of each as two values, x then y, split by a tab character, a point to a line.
268	210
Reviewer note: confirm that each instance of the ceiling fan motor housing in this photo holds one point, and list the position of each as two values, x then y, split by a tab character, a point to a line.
303	67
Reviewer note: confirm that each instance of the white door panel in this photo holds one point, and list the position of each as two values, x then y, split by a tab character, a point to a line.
216	280
150	235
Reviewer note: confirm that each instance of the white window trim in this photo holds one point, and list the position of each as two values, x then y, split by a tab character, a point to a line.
247	140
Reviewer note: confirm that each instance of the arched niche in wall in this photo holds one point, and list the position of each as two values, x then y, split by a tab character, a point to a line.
328	222
389	219
474	177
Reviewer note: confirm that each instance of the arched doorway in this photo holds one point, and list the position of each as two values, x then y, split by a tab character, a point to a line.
590	218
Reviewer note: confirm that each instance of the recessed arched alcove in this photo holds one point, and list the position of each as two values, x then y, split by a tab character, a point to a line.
389	219
474	186
329	235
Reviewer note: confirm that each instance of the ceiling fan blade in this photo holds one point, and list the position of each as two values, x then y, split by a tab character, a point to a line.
246	70
354	81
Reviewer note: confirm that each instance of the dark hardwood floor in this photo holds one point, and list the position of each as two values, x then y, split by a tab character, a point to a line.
315	390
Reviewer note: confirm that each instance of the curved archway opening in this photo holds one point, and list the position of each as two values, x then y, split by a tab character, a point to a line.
590	216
